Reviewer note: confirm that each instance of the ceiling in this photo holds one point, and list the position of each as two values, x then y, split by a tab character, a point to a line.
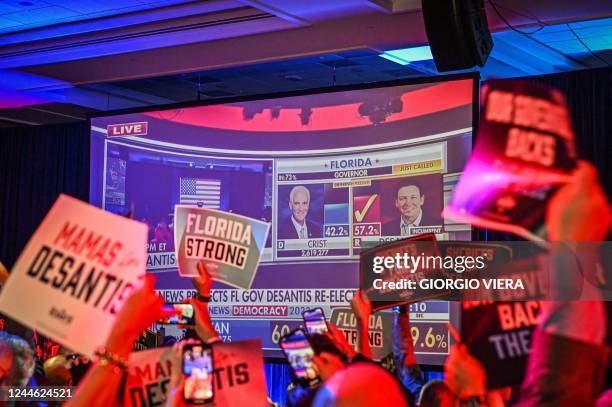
60	60
19	15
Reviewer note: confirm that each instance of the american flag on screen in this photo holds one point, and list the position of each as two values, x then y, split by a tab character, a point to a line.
201	192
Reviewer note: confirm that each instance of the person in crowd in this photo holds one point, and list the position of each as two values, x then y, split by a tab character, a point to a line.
435	393
362	308
204	327
334	368
360	385
408	371
464	375
339	353
101	384
78	366
56	371
298	226
328	358
4	275
568	357
17	361
204	331
466	379
299	395
566	366
177	379
333	352
61	368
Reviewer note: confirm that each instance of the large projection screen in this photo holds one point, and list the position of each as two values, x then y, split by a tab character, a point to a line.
351	148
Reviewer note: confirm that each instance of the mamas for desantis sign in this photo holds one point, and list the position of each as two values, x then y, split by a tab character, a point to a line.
148	378
230	244
239	379
238	376
75	273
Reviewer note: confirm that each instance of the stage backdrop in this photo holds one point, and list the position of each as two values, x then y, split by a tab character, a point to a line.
36	165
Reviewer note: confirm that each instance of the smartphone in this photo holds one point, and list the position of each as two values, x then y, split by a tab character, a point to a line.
184	317
314	321
198	371
299	353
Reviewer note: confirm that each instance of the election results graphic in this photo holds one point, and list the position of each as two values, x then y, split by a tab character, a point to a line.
333	172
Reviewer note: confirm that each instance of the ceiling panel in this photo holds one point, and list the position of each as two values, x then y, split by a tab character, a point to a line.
28	14
14	6
596	35
41	15
554	48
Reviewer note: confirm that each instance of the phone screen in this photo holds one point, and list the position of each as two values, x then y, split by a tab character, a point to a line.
184	317
314	320
299	353
198	371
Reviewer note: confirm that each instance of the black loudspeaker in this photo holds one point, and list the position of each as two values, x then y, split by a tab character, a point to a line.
458	33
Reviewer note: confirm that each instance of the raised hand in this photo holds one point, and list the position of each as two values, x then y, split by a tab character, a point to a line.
361	306
464	374
579	210
140	311
203	282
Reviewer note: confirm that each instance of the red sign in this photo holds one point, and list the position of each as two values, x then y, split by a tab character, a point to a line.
525	151
127	129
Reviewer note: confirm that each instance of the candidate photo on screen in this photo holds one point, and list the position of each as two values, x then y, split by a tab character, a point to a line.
300	212
412	202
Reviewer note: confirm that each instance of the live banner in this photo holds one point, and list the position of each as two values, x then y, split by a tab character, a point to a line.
524	150
230	244
370	279
498	334
238	376
75	273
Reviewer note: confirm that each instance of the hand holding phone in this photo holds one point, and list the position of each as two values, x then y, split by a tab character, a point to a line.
198	372
314	321
185	315
299	353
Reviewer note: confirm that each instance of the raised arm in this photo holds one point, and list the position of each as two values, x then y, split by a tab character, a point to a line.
362	308
101	384
568	344
408	371
203	324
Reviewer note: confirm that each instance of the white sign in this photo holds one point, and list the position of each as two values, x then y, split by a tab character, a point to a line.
75	273
230	244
